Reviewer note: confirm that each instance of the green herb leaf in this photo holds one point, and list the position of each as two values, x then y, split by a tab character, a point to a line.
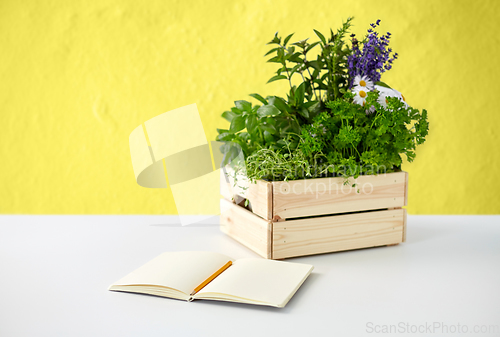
299	94
228	115
304	112
236	110
276	39
382	84
311	46
279	103
259	98
321	37
226	136
243	105
268	127
270	120
268	110
295	58
268	137
287	39
276	78
275	59
237	124
272	51
294	69
316	65
314	108
251	123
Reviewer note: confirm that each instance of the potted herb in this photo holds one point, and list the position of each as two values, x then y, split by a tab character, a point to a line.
332	146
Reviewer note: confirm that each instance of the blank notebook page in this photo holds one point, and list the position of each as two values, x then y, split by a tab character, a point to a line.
266	281
183	271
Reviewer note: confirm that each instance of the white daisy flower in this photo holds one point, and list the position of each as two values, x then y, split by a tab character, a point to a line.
401	97
363	81
385	92
360	94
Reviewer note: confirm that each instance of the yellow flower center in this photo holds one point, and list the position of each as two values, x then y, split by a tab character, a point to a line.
362	94
403	97
362	83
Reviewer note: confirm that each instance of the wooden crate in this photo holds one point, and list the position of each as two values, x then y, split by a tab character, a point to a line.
314	216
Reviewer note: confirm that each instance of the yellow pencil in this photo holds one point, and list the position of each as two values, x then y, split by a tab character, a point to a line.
210	279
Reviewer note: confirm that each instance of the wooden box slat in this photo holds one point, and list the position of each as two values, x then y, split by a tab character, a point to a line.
246	227
301	198
405	220
337	233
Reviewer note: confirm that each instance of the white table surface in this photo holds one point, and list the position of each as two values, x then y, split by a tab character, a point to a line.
55	271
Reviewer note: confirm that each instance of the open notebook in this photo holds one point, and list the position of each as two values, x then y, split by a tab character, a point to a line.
179	274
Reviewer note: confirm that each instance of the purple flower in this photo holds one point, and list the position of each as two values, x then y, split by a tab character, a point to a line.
372	58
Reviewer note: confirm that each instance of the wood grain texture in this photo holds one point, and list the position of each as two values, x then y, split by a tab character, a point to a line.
260	197
337	233
259	194
407	177
246	228
405	220
301	198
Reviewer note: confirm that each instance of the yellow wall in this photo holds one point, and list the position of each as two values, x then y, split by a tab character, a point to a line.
78	76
